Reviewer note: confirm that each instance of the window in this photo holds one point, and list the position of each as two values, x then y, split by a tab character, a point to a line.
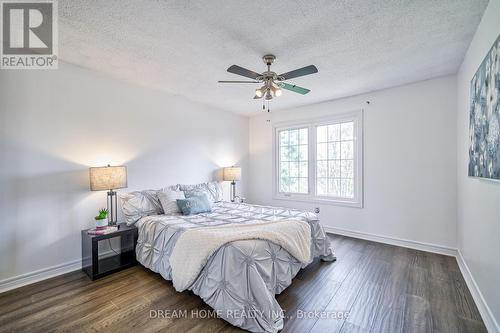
293	160
334	160
320	160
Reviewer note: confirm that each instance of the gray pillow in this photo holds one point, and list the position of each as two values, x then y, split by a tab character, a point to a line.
138	204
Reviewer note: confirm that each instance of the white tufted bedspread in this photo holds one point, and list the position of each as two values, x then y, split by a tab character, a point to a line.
241	276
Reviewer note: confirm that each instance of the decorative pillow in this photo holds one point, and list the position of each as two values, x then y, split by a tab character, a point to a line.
139	204
170	188
194	205
168	200
215	188
165	189
212	189
199	193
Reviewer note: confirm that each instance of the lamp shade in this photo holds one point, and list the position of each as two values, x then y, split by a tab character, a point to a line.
232	173
108	178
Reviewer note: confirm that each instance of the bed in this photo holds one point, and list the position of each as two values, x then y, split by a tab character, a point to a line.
240	279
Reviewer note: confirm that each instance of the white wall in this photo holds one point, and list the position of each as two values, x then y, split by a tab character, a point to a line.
409	162
478	199
55	124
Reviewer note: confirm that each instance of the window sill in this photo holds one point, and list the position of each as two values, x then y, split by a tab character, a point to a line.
298	198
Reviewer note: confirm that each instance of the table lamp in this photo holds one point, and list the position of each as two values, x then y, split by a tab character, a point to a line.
232	174
109	178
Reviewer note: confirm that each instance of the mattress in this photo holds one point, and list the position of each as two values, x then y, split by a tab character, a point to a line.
240	279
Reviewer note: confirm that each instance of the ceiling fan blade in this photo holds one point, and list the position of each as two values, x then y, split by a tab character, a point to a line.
235	69
294	88
311	69
238	81
257	97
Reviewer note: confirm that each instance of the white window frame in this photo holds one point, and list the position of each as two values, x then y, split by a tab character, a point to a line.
357	201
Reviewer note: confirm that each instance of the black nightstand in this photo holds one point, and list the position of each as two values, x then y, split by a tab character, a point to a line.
97	266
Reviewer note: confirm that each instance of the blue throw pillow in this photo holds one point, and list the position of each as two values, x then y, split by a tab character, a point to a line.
194	205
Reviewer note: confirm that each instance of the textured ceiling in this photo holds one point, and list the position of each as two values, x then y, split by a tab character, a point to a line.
184	47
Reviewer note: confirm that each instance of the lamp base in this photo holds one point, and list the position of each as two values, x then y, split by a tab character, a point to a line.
112	207
233	191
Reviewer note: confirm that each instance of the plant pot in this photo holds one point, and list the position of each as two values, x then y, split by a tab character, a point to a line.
101	223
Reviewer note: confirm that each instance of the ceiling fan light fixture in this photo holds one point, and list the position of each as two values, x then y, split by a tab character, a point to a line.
273	83
276	91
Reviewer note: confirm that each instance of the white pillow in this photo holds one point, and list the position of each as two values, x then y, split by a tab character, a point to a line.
168	200
212	189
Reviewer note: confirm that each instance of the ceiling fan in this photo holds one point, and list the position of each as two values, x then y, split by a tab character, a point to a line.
272	82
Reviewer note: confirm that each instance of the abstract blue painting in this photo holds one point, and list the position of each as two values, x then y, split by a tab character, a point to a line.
484	121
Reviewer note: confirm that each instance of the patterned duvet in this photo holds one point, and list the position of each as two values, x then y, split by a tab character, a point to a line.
240	280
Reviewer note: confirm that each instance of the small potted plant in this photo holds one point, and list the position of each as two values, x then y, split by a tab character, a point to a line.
100	220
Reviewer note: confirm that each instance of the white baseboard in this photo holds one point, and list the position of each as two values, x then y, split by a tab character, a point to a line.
485	311
449	251
39	275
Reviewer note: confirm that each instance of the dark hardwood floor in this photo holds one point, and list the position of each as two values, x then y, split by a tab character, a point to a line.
384	288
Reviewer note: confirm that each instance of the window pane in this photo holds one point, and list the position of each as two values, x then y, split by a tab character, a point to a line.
346	150
347	188
294	185
322	151
334	151
303	185
293	153
303	168
322	170
303	136
334	169
283	187
294	137
284	154
322	186
294	169
346	168
321	133
284	170
334	132
334	187
303	153
283	138
347	131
